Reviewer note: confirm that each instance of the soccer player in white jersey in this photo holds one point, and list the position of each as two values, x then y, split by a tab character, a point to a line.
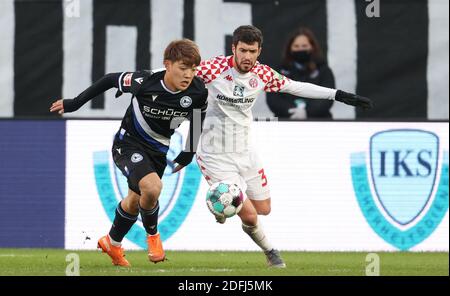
224	152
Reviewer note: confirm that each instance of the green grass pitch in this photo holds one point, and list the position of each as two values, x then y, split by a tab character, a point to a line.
182	263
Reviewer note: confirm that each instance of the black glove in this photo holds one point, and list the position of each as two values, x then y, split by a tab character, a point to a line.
184	158
354	100
70	105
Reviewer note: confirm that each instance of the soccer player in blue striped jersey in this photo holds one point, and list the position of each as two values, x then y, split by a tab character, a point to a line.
161	101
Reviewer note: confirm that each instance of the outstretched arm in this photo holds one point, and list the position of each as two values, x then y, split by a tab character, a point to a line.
312	91
280	83
103	84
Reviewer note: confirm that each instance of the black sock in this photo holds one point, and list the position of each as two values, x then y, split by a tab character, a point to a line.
150	219
122	224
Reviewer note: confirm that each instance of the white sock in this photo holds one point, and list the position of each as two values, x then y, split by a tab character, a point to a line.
114	243
257	235
148	234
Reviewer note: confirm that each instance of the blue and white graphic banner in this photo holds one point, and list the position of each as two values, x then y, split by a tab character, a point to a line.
341	186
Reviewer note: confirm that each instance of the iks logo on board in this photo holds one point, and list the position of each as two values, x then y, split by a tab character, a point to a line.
402	185
175	201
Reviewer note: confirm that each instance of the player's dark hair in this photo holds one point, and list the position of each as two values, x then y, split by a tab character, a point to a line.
183	50
247	34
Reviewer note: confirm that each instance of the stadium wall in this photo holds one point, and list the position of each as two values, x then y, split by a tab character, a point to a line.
399	59
335	187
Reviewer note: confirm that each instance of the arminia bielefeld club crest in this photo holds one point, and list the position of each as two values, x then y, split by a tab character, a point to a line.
403	189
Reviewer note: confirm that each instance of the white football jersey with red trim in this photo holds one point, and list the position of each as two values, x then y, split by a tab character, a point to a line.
231	96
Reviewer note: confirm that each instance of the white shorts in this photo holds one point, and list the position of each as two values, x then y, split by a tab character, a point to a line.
243	169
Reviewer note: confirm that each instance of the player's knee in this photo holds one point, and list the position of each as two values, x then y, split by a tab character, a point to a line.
131	205
264	211
250	218
151	190
263	207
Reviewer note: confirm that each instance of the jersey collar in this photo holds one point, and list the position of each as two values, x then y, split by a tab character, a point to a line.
168	90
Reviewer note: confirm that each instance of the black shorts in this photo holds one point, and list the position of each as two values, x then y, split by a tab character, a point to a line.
136	161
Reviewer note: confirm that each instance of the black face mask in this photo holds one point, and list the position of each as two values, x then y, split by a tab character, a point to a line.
301	56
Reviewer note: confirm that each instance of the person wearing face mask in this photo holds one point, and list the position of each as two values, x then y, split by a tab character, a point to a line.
303	61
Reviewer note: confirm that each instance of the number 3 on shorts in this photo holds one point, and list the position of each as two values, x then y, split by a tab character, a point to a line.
263	177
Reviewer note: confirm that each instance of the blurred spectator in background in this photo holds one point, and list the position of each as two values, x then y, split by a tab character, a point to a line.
303	61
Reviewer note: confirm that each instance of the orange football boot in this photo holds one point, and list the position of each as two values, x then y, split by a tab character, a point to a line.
155	248
116	253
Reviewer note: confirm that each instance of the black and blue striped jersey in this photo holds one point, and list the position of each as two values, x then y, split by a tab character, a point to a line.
155	111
